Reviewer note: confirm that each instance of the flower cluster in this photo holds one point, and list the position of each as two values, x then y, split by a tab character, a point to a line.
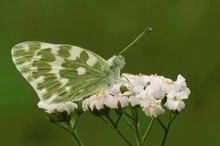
149	92
152	93
152	90
58	107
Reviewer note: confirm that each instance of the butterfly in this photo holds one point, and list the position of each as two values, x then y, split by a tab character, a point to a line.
61	73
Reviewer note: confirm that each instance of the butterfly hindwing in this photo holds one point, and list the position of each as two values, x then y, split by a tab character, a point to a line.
60	73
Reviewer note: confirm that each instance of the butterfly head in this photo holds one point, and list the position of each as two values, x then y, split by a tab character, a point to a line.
116	62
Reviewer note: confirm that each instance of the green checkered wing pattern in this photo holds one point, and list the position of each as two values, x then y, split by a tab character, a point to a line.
61	73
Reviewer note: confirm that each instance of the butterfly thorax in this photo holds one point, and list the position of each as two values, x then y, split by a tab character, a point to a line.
116	63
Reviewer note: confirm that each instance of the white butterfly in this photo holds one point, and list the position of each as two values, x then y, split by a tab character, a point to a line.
61	73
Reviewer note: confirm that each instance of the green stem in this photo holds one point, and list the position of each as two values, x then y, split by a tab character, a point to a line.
148	130
123	137
116	123
170	116
62	126
166	130
68	128
137	128
161	124
73	122
114	126
76	138
129	123
128	115
106	121
110	120
72	130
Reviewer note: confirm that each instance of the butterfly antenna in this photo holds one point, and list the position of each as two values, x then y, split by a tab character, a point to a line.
129	83
147	30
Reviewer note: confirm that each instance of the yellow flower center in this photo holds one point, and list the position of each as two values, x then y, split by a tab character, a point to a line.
176	98
100	94
169	82
153	103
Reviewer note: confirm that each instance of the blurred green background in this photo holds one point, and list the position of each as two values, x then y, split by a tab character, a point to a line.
185	40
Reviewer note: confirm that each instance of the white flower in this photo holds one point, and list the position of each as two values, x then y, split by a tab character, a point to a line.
156	80
134	96
85	104
181	82
155	91
116	98
152	91
168	85
58	107
134	100
178	85
174	100
152	107
94	101
151	85
137	80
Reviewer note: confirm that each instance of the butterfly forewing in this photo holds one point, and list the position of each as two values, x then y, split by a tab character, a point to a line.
60	73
